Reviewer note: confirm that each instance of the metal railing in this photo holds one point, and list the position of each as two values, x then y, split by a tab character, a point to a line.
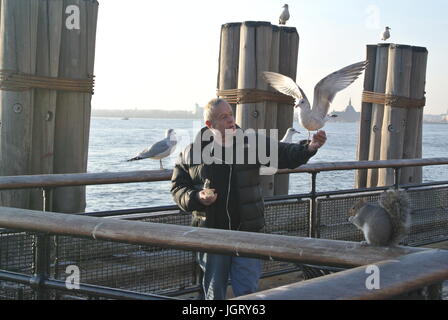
316	199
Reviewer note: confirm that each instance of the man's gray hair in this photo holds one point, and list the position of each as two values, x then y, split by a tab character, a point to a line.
209	108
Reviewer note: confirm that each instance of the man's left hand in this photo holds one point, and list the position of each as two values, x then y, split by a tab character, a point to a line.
317	141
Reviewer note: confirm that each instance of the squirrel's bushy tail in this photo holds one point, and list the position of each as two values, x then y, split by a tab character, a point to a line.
396	203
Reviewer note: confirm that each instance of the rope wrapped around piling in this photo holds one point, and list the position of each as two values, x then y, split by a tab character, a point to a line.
240	96
17	81
391	100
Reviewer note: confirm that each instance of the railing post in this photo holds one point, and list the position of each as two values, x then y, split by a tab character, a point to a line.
396	177
42	254
314	219
47	198
48	206
41	265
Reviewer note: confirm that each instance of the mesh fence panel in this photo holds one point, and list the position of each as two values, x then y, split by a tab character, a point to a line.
333	217
429	216
137	268
15	291
16	255
16	251
289	218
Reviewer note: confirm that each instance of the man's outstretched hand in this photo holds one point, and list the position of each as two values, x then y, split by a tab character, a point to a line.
317	141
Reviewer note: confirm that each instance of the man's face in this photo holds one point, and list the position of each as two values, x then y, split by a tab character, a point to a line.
222	119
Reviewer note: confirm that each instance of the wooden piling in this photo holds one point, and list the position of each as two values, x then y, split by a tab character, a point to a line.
44	123
366	117
289	51
18	41
72	121
247	50
413	142
381	67
229	54
394	123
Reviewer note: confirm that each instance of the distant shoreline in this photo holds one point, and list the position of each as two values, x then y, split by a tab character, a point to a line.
200	118
149	114
179	114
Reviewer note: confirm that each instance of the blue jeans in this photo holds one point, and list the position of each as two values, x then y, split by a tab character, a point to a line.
244	274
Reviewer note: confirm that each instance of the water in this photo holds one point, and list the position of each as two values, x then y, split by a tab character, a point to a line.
113	140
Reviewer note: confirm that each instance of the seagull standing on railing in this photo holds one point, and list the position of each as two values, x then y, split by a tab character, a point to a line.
324	92
288	135
284	16
160	149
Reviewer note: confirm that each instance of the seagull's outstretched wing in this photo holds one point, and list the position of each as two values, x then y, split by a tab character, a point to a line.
326	89
283	84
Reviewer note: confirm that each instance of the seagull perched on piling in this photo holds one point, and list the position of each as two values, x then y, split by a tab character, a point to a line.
284	16
288	135
160	149
386	34
324	92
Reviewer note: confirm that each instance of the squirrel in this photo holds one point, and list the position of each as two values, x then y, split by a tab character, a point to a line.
385	223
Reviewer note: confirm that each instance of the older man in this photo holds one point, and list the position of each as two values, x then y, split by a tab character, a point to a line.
226	194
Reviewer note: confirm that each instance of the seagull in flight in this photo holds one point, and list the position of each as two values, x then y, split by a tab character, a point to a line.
284	16
288	135
160	149
314	118
386	34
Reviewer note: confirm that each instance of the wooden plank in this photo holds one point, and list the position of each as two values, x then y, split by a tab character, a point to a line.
73	109
229	58
289	50
255	40
255	56
270	112
399	276
381	67
394	122
18	46
49	33
271	107
366	117
245	113
414	119
439	245
256	245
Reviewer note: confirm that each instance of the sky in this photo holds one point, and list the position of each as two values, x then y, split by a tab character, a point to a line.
164	54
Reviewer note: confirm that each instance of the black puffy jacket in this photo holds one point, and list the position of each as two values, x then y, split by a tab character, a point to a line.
238	187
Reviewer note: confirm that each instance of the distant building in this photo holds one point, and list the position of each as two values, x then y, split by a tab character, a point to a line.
445	116
150	113
437	118
348	115
198	111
